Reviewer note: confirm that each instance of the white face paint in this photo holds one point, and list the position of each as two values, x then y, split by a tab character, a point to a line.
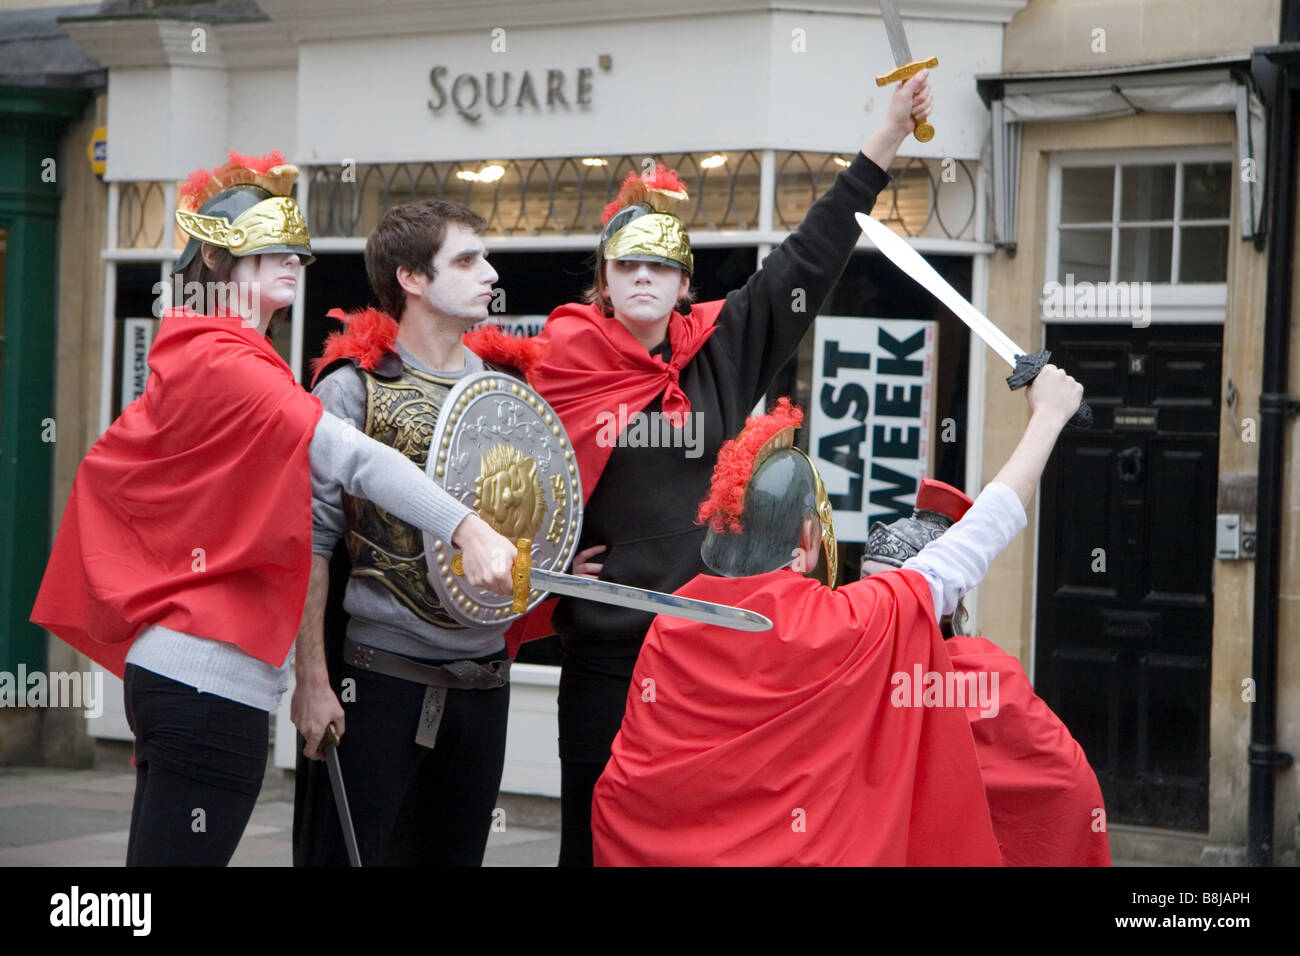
461	287
644	292
265	283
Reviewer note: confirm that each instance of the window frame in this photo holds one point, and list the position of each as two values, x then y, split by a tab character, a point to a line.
1171	302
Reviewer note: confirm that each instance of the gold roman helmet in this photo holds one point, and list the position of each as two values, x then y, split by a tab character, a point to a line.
640	224
763	488
244	206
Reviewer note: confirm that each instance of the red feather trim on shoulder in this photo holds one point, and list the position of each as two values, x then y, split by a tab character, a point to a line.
493	344
726	501
369	336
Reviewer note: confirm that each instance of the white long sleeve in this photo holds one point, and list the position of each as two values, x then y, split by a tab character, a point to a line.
364	468
957	561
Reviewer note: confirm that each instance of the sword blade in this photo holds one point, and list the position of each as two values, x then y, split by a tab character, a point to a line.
621	595
912	262
341	797
894	30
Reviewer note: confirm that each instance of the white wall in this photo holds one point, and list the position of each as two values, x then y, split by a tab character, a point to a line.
725	82
261	112
818	98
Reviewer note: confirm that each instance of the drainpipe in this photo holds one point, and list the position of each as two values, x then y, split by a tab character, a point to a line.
1275	405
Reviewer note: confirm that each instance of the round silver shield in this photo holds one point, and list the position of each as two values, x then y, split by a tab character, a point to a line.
500	449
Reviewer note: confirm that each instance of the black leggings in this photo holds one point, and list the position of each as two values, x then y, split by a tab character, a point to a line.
200	760
591	702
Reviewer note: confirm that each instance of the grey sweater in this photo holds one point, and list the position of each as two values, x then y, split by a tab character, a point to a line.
378	619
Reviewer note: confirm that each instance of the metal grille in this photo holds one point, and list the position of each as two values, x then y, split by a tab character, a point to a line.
566	196
534	197
934	199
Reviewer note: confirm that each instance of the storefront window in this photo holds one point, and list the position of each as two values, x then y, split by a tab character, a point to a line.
932	199
534	197
141	215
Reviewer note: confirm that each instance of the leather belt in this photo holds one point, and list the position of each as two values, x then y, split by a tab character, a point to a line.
457	675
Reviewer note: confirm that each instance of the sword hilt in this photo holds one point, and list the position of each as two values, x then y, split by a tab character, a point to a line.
922	130
1027	369
331	738
520	572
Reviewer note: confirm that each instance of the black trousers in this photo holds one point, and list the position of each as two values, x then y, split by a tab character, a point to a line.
411	805
590	705
200	760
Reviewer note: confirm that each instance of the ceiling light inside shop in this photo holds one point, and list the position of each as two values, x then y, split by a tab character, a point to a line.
841	161
713	162
595	161
488	174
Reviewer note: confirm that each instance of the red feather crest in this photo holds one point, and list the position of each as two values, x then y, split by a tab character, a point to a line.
663	189
369	336
259	164
270	171
726	501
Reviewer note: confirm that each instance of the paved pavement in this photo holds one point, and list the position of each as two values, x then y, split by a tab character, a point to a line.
56	817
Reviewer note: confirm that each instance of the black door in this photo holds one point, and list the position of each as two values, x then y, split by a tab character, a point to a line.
1125	562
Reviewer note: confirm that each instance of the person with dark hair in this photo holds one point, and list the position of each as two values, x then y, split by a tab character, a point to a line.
1045	803
831	738
423	719
182	560
638	355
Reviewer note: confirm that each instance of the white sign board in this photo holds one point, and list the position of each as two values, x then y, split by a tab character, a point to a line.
523	326
137	337
871	415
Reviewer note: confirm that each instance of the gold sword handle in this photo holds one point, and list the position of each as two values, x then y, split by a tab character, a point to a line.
923	131
521	572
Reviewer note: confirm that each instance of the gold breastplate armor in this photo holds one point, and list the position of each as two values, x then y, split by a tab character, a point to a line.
400	413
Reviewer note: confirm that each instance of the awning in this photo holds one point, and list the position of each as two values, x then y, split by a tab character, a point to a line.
1219	86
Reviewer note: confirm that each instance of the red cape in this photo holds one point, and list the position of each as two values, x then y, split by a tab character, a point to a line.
586	364
193	511
783	747
1045	802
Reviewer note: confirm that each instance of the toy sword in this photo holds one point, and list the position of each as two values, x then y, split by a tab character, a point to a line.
906	66
1025	366
329	745
527	577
